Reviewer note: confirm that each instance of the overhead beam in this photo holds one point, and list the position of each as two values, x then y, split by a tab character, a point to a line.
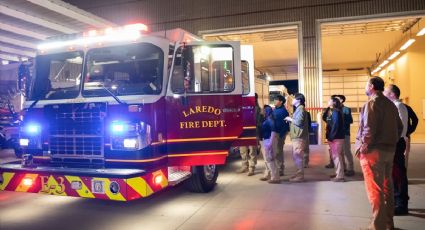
73	12
24	32
9	57
17	42
17	51
35	20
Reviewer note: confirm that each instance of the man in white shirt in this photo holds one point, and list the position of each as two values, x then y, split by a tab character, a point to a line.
401	196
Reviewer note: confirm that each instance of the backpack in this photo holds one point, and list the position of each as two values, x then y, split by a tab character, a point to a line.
412	120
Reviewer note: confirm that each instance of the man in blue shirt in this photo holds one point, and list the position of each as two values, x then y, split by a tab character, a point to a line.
282	127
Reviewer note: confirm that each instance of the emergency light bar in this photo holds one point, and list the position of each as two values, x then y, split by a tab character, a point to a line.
126	33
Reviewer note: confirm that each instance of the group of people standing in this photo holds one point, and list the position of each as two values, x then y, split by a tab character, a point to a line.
383	145
273	126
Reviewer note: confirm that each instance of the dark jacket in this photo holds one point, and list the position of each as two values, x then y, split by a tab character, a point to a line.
267	128
282	127
259	118
348	119
335	127
412	121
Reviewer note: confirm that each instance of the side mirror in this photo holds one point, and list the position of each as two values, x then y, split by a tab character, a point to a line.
24	76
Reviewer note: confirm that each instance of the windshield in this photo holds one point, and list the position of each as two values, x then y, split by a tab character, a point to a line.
57	76
134	69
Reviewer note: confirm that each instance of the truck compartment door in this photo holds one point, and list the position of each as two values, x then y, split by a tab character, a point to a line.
204	103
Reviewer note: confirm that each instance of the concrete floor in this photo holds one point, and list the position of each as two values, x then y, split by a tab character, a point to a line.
238	202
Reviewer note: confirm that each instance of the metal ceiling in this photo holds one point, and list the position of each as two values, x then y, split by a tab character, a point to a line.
26	23
358	28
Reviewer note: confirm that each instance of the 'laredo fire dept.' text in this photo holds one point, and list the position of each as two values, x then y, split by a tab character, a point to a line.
202	124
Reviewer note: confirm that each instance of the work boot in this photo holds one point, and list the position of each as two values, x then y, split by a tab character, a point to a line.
400	211
242	170
338	179
330	166
281	173
275	181
350	173
251	172
265	178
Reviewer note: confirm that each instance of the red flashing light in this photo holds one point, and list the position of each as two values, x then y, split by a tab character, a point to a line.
92	33
27	182
137	26
109	30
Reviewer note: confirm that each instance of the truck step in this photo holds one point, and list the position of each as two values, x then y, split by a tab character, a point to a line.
176	177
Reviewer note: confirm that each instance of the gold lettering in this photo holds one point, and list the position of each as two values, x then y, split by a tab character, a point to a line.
217	112
191	111
44	184
185	114
182	124
196	124
198	109
61	187
204	124
204	109
210	109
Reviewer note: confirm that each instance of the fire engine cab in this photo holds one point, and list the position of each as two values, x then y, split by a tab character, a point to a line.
123	113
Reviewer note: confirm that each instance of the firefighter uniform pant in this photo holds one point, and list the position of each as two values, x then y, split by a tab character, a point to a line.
298	151
269	154
348	154
280	159
337	146
249	156
377	166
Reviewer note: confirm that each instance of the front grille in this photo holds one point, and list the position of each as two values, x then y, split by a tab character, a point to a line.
77	131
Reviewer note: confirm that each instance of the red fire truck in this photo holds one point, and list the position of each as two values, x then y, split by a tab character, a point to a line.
122	113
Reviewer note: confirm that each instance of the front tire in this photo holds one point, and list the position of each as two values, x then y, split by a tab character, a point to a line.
203	178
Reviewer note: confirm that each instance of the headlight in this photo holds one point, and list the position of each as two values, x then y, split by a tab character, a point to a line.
24	142
130	135
32	129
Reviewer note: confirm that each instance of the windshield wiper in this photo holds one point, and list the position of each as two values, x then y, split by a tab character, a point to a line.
113	95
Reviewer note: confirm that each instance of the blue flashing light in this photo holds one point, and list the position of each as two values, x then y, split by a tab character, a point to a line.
33	129
118	128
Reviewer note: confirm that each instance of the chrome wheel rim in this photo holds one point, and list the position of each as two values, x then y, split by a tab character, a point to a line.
209	171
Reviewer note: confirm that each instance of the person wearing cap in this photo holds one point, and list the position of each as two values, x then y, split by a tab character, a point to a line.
299	136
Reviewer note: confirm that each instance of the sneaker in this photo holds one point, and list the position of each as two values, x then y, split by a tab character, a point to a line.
242	170
250	173
338	179
330	166
296	179
350	173
276	181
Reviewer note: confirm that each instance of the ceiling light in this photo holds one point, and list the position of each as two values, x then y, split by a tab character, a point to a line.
407	44
376	70
384	63
421	33
394	55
